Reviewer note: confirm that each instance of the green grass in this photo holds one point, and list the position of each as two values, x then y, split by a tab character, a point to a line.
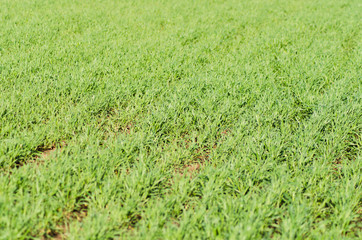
180	119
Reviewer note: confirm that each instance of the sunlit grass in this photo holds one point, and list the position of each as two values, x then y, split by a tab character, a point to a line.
180	119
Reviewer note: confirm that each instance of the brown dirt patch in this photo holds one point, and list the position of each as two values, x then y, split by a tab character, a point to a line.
201	153
45	152
60	233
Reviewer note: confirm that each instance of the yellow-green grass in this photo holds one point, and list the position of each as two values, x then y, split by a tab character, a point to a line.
180	119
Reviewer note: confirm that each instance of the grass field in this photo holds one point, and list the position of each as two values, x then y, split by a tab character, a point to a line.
202	119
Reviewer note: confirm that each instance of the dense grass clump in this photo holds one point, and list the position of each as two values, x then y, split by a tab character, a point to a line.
180	119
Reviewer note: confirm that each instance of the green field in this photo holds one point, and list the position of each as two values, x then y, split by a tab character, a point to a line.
207	119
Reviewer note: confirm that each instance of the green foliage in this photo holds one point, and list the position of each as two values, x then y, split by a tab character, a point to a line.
180	119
